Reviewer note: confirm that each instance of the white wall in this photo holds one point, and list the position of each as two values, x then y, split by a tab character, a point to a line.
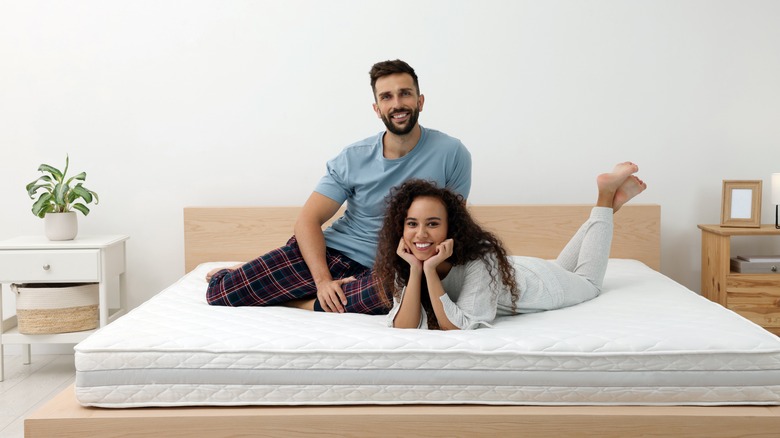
167	104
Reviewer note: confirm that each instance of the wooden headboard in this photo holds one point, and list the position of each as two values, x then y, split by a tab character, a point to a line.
243	233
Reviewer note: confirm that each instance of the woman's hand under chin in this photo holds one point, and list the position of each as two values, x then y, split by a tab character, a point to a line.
405	253
443	252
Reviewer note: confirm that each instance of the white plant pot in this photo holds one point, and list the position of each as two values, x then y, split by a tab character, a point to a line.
61	226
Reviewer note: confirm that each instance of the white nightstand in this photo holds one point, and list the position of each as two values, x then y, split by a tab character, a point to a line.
88	259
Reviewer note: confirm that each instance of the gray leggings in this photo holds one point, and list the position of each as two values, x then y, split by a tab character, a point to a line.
583	261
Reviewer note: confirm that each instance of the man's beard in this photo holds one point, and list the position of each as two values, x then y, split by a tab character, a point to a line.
410	124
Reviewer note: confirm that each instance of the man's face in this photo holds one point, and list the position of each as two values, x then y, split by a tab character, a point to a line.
397	102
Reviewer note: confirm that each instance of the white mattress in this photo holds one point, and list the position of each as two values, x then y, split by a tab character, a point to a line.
646	340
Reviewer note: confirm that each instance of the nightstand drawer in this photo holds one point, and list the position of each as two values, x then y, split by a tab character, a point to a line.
756	297
49	265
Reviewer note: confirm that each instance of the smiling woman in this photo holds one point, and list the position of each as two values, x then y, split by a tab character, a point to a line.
450	273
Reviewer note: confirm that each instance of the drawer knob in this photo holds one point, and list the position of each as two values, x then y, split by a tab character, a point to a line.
774	268
46	267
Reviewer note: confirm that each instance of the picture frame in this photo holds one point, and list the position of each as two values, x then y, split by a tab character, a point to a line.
741	204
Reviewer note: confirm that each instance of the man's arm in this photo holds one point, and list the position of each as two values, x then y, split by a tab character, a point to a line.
308	231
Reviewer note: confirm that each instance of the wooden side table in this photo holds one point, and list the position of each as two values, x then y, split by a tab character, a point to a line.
754	296
89	259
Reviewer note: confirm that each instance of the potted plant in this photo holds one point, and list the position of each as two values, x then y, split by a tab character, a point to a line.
59	197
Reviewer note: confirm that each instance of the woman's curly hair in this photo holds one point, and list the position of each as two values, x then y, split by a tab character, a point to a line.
472	242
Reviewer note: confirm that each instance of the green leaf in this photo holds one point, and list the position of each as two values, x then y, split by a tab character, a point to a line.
80	192
32	189
43	205
81	207
52	170
81	177
45	178
60	196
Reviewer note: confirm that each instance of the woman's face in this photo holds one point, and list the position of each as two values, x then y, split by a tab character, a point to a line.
425	226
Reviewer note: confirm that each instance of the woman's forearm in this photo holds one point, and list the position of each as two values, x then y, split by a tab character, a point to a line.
409	312
436	291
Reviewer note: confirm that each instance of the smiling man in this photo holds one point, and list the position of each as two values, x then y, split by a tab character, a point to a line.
331	270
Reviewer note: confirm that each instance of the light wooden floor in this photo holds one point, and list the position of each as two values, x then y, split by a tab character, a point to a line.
28	386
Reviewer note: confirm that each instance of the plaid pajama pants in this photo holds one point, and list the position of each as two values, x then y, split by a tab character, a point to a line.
281	275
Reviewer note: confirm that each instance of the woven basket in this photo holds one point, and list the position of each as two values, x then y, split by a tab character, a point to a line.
56	308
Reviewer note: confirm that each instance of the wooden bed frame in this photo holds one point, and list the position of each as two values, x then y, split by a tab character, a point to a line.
243	233
238	234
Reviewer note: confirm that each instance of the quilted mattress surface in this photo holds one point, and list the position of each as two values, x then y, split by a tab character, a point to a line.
646	340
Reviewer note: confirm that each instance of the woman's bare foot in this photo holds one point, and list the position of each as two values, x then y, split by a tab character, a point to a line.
610	183
631	187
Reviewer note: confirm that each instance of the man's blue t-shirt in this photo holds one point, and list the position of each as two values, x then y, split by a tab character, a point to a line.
363	177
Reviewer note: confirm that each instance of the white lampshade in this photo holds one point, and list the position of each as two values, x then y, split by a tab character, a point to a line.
776	188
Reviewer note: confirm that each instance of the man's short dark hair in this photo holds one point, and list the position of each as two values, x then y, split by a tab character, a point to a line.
386	68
